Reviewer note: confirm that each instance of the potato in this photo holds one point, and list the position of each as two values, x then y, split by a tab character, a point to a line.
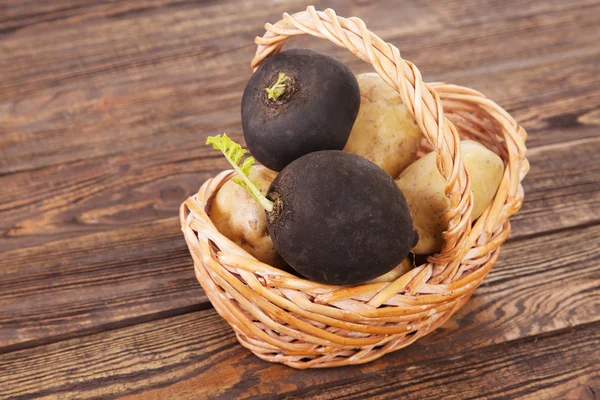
423	187
394	274
240	218
384	131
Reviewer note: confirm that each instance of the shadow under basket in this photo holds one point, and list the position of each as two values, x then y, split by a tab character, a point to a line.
286	319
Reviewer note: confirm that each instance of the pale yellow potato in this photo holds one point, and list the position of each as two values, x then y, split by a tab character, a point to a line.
394	274
240	218
423	186
384	131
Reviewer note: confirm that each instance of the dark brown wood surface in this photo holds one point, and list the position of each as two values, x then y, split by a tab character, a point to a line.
104	110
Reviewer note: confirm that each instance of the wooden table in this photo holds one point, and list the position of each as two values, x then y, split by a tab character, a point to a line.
104	110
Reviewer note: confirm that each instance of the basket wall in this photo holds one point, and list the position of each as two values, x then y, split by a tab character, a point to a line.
303	324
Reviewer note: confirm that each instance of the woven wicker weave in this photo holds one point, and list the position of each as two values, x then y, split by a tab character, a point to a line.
286	319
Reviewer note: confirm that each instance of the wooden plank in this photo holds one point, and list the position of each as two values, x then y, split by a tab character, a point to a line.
99	97
96	195
62	199
164	141
117	261
539	286
18	15
101	130
141	152
555	367
545	285
562	188
139	86
95	282
100	140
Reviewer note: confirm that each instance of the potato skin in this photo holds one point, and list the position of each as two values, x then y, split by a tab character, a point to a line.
423	186
241	219
342	221
394	274
384	131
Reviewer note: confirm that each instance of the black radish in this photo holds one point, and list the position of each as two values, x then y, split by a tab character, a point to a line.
297	102
334	217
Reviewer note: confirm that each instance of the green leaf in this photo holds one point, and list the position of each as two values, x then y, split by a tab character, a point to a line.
234	153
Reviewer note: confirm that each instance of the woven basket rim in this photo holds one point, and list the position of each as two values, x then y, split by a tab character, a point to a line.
283	318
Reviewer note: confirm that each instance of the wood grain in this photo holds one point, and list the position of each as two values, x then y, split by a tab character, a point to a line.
123	273
99	148
562	188
95	282
541	286
104	108
548	368
134	128
101	97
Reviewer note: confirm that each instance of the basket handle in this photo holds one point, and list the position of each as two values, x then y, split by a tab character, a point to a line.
422	101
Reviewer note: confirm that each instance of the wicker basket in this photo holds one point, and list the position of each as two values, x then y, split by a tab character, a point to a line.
303	324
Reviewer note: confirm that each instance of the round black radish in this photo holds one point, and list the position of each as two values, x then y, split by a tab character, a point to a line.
297	102
339	218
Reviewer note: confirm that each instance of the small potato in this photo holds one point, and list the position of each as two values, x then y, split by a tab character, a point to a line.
240	218
423	187
384	131
394	274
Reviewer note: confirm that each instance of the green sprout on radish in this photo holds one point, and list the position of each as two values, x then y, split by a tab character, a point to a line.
278	88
